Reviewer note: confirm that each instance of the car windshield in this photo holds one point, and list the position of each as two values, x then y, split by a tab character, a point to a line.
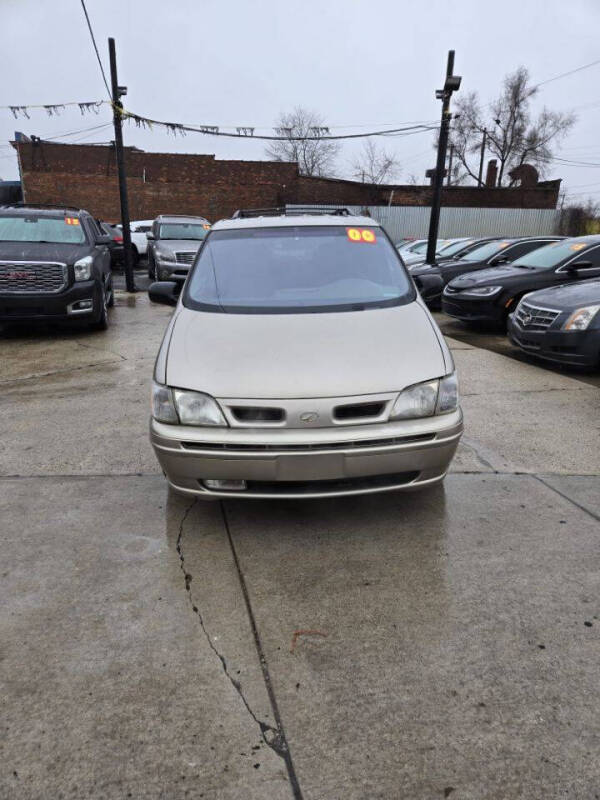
486	251
182	230
297	269
551	255
33	228
452	248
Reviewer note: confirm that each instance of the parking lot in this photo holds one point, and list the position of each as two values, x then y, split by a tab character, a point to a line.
436	644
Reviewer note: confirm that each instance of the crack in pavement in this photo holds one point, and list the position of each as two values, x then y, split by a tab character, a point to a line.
566	496
470	445
271	736
100	349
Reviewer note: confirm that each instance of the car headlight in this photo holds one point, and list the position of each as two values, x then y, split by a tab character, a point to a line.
163	408
580	319
165	255
427	398
482	291
83	268
189	408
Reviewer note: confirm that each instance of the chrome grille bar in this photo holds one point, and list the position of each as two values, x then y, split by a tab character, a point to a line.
32	277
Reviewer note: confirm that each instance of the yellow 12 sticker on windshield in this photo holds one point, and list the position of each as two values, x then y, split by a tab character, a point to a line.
361	235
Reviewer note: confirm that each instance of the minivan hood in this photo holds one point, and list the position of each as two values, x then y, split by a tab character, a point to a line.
38	251
303	355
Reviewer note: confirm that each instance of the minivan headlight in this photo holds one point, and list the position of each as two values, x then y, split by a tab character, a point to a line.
163	408
189	408
83	268
580	319
427	398
197	408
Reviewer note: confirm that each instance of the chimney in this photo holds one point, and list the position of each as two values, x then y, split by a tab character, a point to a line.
491	174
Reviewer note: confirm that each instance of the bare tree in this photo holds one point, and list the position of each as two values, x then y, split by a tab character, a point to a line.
514	135
315	156
375	164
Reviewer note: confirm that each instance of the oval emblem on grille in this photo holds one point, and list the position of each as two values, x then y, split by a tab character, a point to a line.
309	416
527	319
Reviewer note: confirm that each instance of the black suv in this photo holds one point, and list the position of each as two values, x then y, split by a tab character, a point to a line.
54	266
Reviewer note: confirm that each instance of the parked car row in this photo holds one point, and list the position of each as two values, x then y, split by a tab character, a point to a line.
544	290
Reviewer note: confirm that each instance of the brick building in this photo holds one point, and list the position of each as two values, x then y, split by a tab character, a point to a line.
174	183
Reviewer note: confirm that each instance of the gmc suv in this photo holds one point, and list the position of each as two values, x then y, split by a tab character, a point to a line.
54	266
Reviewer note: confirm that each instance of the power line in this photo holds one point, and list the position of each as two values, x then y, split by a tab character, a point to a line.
89	24
570	72
247	132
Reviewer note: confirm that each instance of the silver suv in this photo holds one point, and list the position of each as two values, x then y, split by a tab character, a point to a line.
173	242
300	361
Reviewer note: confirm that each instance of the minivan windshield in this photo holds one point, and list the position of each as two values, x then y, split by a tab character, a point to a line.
486	250
551	255
182	230
297	269
33	228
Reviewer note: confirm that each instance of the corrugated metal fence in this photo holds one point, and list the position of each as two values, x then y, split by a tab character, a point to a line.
402	221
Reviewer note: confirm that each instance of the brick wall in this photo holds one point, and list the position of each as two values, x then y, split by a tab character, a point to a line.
85	176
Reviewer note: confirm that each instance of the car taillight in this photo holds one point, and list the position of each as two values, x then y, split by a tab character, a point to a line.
118	239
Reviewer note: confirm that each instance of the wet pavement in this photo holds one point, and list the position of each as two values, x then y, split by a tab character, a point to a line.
152	646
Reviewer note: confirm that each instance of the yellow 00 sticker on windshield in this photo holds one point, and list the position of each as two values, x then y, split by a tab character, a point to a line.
578	246
361	235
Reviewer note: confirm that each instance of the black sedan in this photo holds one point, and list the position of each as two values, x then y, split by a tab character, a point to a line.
116	245
489	295
560	324
430	280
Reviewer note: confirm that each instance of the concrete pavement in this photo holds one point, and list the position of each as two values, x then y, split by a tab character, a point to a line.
147	639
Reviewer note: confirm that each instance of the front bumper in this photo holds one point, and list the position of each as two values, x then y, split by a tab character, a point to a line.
16	308
323	462
172	270
430	287
469	309
576	348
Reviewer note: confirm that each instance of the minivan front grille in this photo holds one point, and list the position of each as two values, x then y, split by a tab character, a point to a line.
253	414
309	446
185	257
535	318
358	411
32	277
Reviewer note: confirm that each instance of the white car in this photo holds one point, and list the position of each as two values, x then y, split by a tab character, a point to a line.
139	229
415	252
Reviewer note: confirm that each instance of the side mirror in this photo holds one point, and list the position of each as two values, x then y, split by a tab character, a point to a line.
579	265
164	292
150	236
103	240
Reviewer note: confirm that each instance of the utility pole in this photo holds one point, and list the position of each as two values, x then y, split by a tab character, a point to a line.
450	157
452	84
117	93
482	157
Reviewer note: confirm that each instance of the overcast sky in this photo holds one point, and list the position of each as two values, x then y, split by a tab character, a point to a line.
368	63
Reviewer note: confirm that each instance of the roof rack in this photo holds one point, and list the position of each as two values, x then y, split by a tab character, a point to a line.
283	211
49	206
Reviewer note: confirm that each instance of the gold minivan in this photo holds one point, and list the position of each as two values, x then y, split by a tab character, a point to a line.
300	361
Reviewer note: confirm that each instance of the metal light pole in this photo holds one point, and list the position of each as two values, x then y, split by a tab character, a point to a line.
482	157
117	93
452	84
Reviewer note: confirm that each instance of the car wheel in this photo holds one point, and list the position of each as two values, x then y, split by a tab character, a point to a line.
135	256
150	267
110	293
102	323
155	275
